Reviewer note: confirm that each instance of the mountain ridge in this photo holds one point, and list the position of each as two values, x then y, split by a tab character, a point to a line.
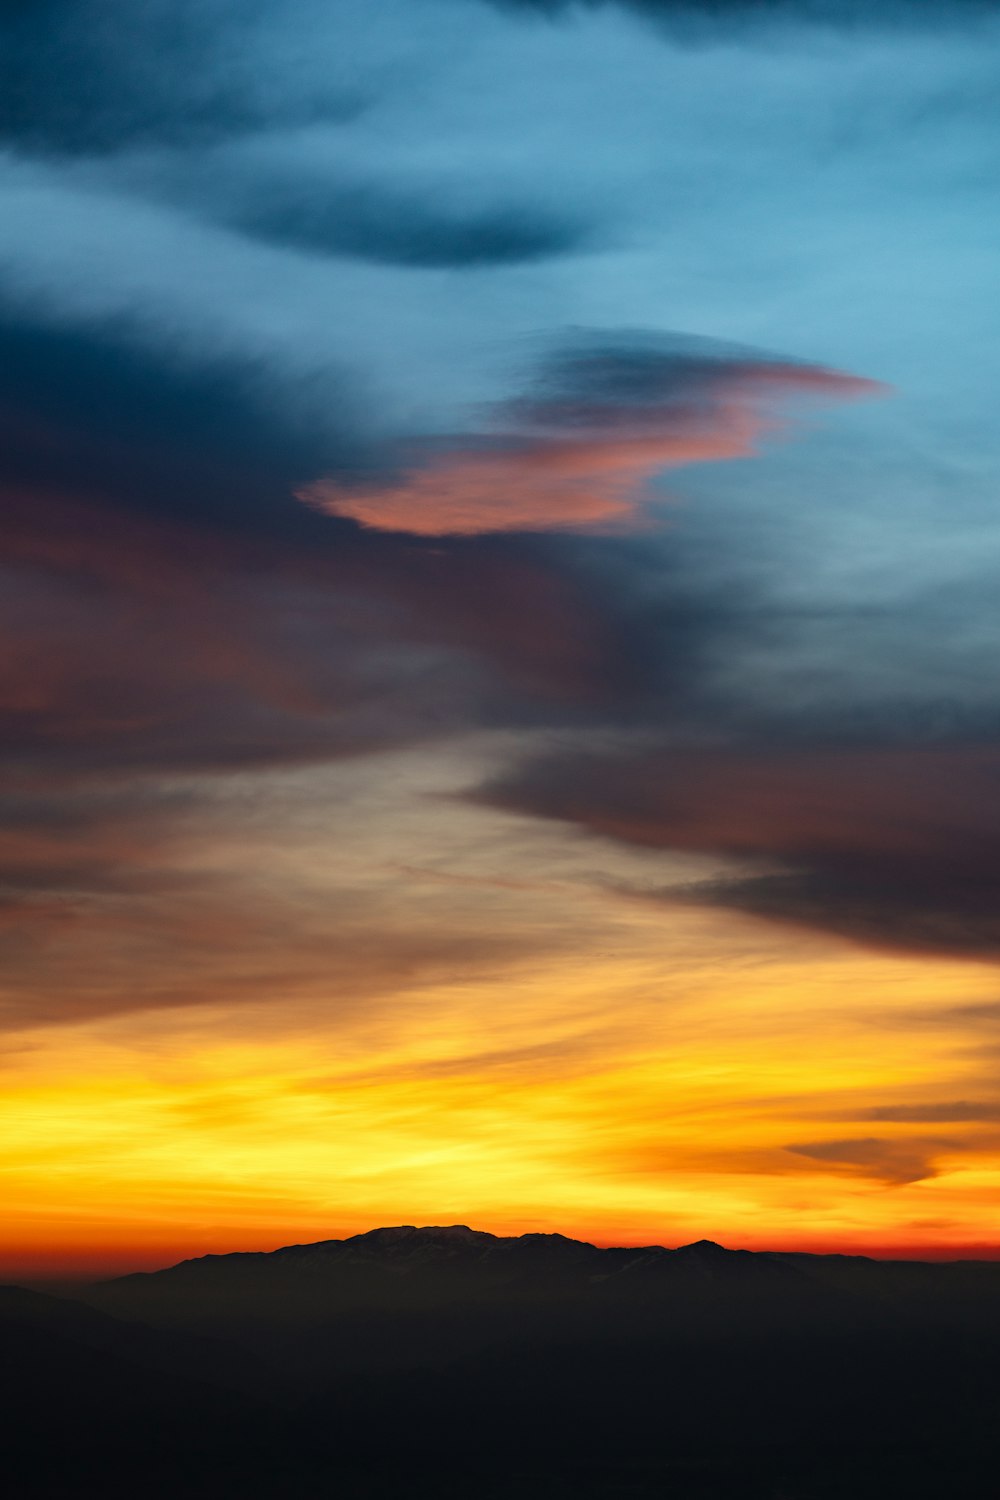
453	1273
453	1238
483	1362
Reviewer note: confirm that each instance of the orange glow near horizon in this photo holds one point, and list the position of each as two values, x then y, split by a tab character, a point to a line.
642	1095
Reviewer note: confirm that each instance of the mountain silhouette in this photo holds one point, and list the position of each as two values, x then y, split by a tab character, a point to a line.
437	1266
442	1360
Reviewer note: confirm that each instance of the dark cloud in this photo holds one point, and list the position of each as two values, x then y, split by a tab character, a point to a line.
893	1162
405	228
880	907
169	604
984	1014
167	89
162	651
85	77
955	1112
693	16
158	598
888	845
136	642
89	411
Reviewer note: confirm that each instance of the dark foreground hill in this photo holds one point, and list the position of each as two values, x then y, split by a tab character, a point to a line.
446	1362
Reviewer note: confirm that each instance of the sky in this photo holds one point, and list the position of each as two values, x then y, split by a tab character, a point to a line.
500	615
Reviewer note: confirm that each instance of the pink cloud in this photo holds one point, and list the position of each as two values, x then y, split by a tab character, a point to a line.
582	466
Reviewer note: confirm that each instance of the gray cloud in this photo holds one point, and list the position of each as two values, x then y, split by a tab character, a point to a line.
890	845
880	907
956	1111
893	1162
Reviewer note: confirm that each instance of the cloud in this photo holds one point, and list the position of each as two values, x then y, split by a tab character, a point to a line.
125	895
953	1112
416	227
135	642
313	189
85	77
891	846
88	410
157	573
893	1162
208	107
985	1014
578	453
740	14
882	908
168	603
170	607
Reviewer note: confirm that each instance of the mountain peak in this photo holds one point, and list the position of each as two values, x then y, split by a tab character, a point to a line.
397	1233
703	1247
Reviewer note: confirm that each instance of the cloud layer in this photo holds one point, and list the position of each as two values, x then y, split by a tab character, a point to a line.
890	846
454	765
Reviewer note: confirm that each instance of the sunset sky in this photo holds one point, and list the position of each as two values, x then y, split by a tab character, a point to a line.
501	608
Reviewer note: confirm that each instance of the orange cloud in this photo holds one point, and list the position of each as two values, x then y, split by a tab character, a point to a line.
577	466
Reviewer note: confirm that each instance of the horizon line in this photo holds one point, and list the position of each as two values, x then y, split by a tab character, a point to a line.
109	1265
